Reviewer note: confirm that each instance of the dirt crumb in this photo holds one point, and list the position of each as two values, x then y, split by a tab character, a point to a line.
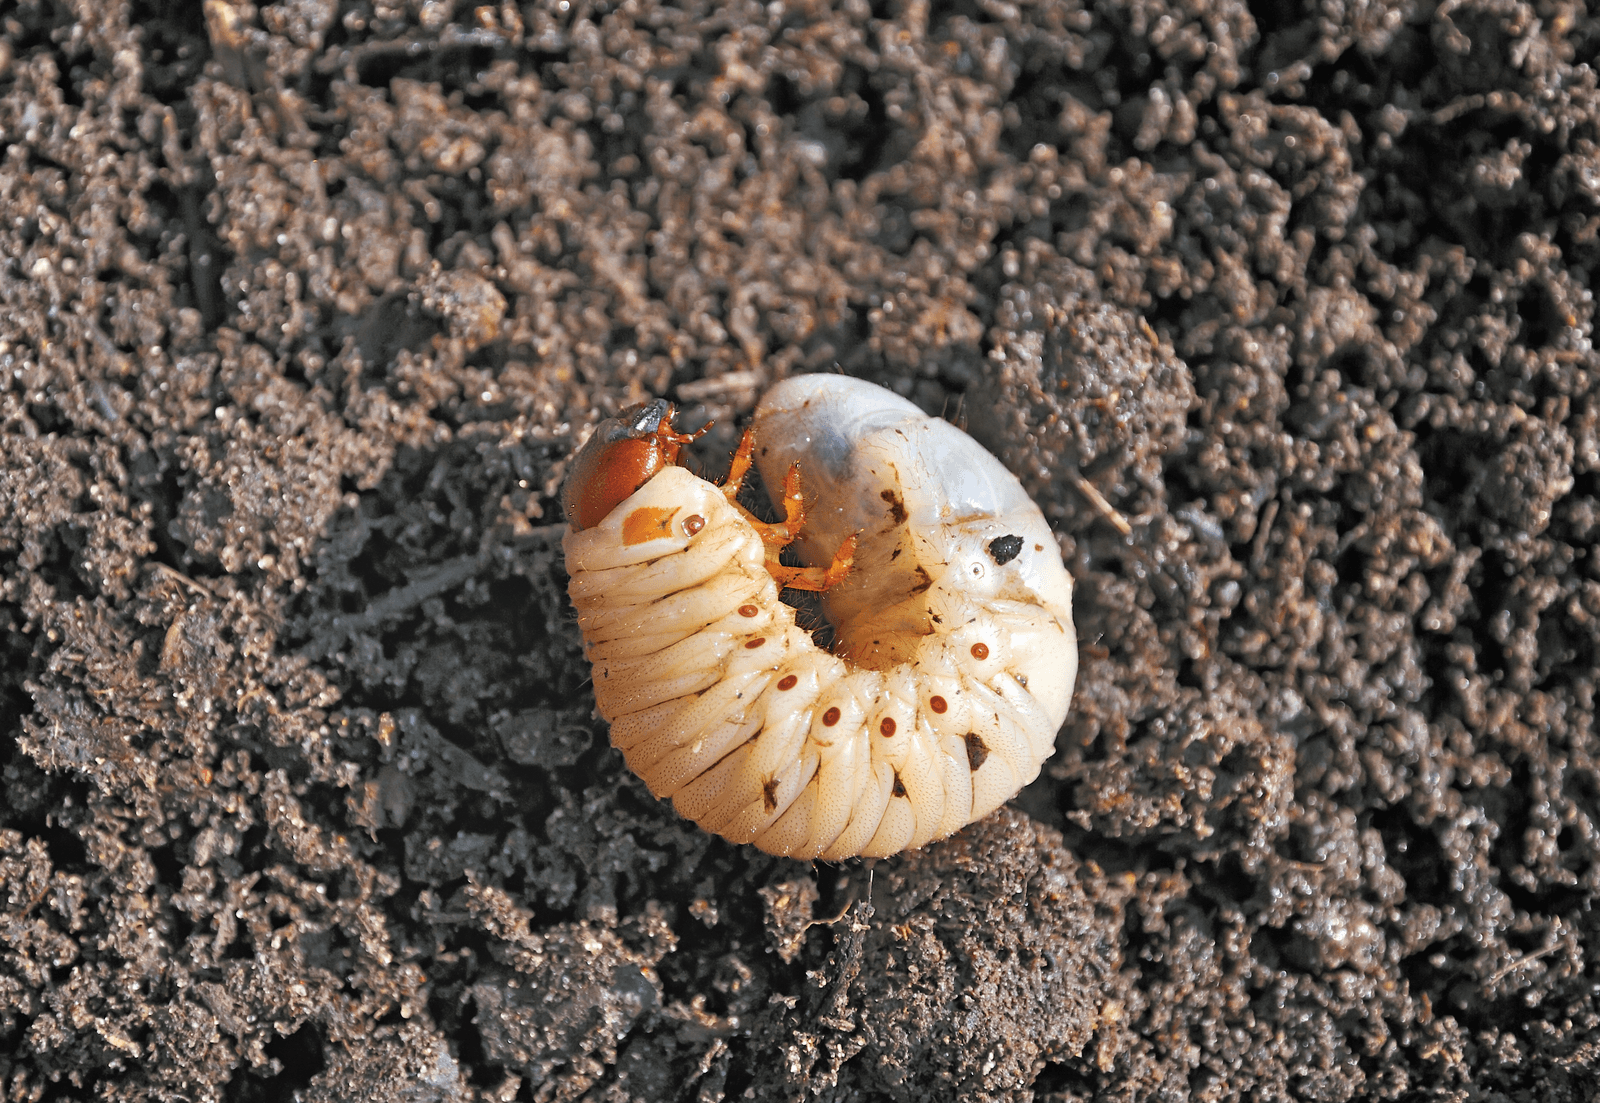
960	972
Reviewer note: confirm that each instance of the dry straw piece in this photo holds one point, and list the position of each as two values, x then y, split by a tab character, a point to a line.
955	653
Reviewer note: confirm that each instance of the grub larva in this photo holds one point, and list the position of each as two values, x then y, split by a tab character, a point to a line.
955	653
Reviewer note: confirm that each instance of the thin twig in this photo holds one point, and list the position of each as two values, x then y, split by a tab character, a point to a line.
1103	507
1526	959
402	599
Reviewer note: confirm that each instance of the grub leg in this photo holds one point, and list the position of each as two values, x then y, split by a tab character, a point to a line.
815	578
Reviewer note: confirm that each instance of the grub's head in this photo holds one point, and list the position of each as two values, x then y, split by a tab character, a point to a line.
624	453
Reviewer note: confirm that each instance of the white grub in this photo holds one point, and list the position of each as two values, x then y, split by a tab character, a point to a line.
955	653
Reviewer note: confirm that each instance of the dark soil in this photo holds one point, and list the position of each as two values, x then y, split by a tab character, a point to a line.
1283	311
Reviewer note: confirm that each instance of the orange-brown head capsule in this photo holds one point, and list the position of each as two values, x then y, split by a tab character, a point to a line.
624	453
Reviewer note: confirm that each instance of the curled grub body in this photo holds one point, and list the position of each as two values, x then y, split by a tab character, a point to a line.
956	653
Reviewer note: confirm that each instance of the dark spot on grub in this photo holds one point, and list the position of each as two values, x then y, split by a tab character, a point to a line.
897	508
1003	549
977	751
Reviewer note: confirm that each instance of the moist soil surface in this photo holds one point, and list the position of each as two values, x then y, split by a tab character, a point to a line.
1281	311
